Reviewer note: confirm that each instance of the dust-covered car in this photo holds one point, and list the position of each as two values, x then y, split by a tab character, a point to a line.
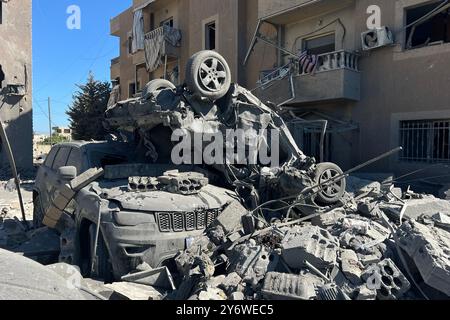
137	222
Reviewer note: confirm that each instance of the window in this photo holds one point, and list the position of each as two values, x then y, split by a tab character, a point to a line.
131	90
433	30
152	21
75	160
320	45
130	44
61	158
425	141
1	11
210	36
51	157
167	22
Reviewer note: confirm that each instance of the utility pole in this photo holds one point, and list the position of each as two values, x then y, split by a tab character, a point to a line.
50	120
12	163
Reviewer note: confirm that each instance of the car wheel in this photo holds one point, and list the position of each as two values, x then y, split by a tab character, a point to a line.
156	85
102	265
38	214
208	75
333	192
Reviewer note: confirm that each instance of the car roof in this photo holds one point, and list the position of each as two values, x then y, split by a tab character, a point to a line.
79	144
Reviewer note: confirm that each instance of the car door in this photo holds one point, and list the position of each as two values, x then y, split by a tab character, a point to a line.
43	185
52	177
74	160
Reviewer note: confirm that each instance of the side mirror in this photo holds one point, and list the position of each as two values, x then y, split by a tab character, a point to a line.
67	173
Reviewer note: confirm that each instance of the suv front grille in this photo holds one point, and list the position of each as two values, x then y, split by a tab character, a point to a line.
179	222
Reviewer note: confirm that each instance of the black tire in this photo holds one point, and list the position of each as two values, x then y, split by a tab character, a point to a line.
38	214
331	193
208	75
156	85
102	268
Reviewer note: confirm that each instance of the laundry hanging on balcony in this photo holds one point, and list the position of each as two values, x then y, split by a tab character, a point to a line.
138	31
155	45
307	63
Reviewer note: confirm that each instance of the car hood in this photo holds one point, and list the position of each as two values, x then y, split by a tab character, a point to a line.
209	198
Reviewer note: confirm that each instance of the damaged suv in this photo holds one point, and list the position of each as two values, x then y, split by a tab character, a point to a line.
122	203
139	222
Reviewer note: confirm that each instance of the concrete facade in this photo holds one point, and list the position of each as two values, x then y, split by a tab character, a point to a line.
235	22
364	95
16	80
396	84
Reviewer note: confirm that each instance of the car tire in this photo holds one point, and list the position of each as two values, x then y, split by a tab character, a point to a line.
156	85
102	268
334	192
38	214
208	75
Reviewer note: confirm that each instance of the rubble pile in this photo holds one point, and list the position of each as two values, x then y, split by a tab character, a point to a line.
356	250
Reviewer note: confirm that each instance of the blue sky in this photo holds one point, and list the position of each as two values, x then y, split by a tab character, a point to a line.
63	57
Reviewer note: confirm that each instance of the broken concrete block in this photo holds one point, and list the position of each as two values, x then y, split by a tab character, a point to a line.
237	296
251	262
369	209
350	266
159	278
284	286
231	283
213	294
331	292
367	260
366	293
231	218
429	247
387	280
310	243
133	291
427	207
329	219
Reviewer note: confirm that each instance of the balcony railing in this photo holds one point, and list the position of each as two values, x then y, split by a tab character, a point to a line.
336	60
336	77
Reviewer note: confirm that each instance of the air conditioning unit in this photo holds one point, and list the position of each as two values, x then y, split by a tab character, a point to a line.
376	38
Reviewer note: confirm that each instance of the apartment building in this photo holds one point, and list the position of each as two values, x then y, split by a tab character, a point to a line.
15	81
367	101
173	30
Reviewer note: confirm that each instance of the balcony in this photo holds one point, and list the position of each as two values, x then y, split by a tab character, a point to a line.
337	78
287	11
115	26
115	68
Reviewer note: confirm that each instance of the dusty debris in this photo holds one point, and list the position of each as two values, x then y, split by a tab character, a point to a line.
387	279
133	291
283	286
312	244
299	230
157	278
429	247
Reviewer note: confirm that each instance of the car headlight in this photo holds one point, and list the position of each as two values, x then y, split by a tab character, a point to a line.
131	219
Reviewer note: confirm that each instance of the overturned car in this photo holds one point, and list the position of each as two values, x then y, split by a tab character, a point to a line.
125	202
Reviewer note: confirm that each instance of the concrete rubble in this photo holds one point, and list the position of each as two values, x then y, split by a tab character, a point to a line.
346	251
301	230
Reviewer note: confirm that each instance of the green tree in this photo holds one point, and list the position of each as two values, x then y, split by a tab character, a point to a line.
56	138
88	109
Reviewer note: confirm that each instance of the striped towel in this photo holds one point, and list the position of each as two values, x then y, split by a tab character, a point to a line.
307	62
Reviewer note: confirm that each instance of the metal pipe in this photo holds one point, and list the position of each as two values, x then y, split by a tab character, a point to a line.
12	164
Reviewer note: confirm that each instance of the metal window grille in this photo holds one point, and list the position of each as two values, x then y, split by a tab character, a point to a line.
425	141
